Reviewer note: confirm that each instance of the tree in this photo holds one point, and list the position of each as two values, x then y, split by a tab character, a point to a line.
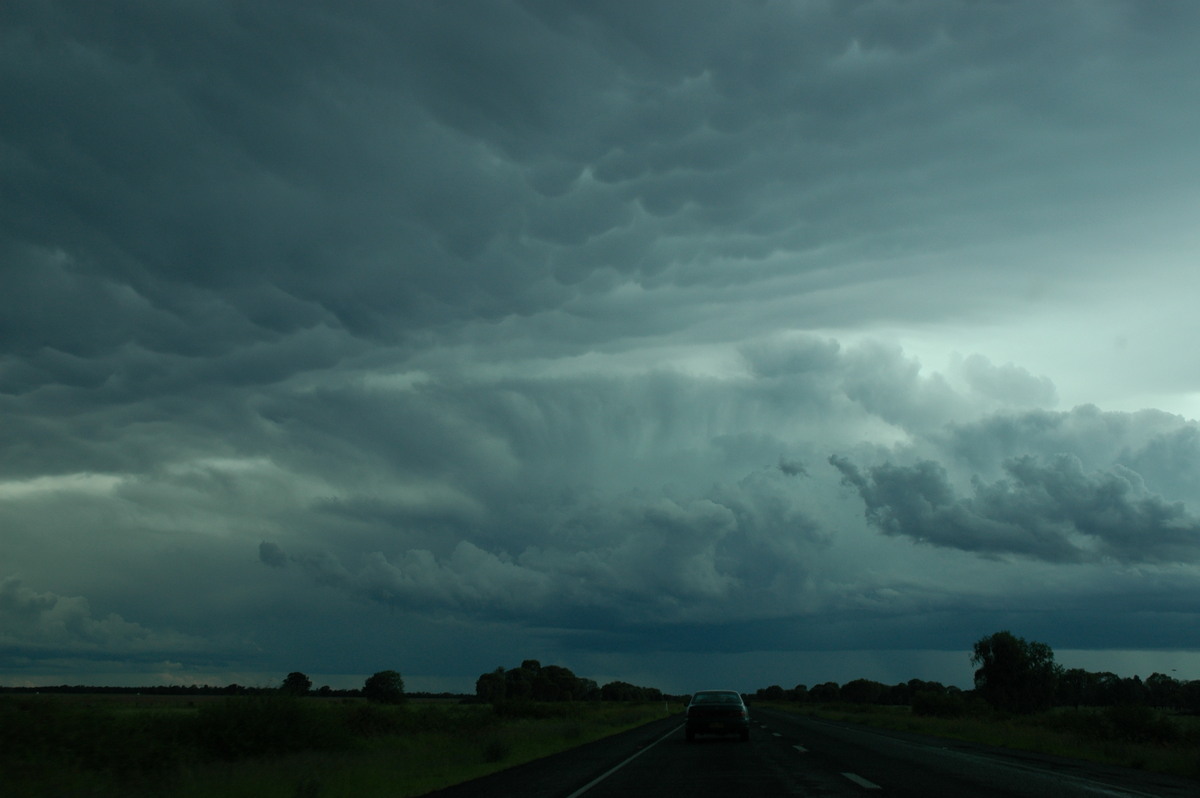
620	691
491	686
1015	675
772	693
825	692
555	683
532	681
863	691
1163	691
296	683
385	687
1077	687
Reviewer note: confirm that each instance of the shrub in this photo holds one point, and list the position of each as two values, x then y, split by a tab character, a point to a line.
940	705
1129	723
1140	724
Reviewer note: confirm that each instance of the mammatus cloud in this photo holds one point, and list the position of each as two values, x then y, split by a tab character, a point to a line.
1046	508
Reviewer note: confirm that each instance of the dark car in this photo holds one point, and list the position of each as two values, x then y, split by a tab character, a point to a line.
717	712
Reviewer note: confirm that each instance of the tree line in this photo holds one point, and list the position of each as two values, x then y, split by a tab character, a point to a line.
385	687
532	681
1012	675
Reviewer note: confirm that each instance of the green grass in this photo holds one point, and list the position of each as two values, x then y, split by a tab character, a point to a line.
1136	737
273	746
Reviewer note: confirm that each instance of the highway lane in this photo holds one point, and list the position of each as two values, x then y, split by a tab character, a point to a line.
790	755
727	767
926	767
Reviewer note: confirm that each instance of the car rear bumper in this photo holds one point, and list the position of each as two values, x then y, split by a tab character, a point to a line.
714	726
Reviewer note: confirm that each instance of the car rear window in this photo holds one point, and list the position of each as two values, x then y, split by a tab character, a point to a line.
716	698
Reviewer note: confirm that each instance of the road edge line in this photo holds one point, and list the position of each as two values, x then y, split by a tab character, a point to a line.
613	770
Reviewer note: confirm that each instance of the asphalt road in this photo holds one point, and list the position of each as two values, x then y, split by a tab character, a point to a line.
794	756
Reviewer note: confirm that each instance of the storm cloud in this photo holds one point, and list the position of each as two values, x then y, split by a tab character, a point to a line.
1051	510
438	336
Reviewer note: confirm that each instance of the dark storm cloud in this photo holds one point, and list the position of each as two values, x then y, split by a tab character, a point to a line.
1161	446
582	488
238	174
537	314
634	556
1049	509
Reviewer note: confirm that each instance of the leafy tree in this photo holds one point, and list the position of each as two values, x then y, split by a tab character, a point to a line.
1190	696
491	686
589	689
533	681
385	687
825	692
296	683
555	683
620	691
1108	689
1014	674
518	684
772	693
1130	691
863	691
1077	687
1163	690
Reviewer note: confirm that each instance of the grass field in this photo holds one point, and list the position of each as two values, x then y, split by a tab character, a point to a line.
1136	737
267	746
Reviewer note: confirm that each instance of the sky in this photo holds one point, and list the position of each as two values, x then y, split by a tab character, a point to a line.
691	344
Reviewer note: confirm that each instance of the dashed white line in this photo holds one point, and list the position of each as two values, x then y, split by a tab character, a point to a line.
861	782
801	749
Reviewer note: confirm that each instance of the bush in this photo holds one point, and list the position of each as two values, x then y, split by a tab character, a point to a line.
1140	724
940	705
1128	724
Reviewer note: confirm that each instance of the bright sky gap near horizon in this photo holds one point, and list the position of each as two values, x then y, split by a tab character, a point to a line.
692	344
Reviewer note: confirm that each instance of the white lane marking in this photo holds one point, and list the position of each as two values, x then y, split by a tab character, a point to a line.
801	749
608	773
861	782
776	734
